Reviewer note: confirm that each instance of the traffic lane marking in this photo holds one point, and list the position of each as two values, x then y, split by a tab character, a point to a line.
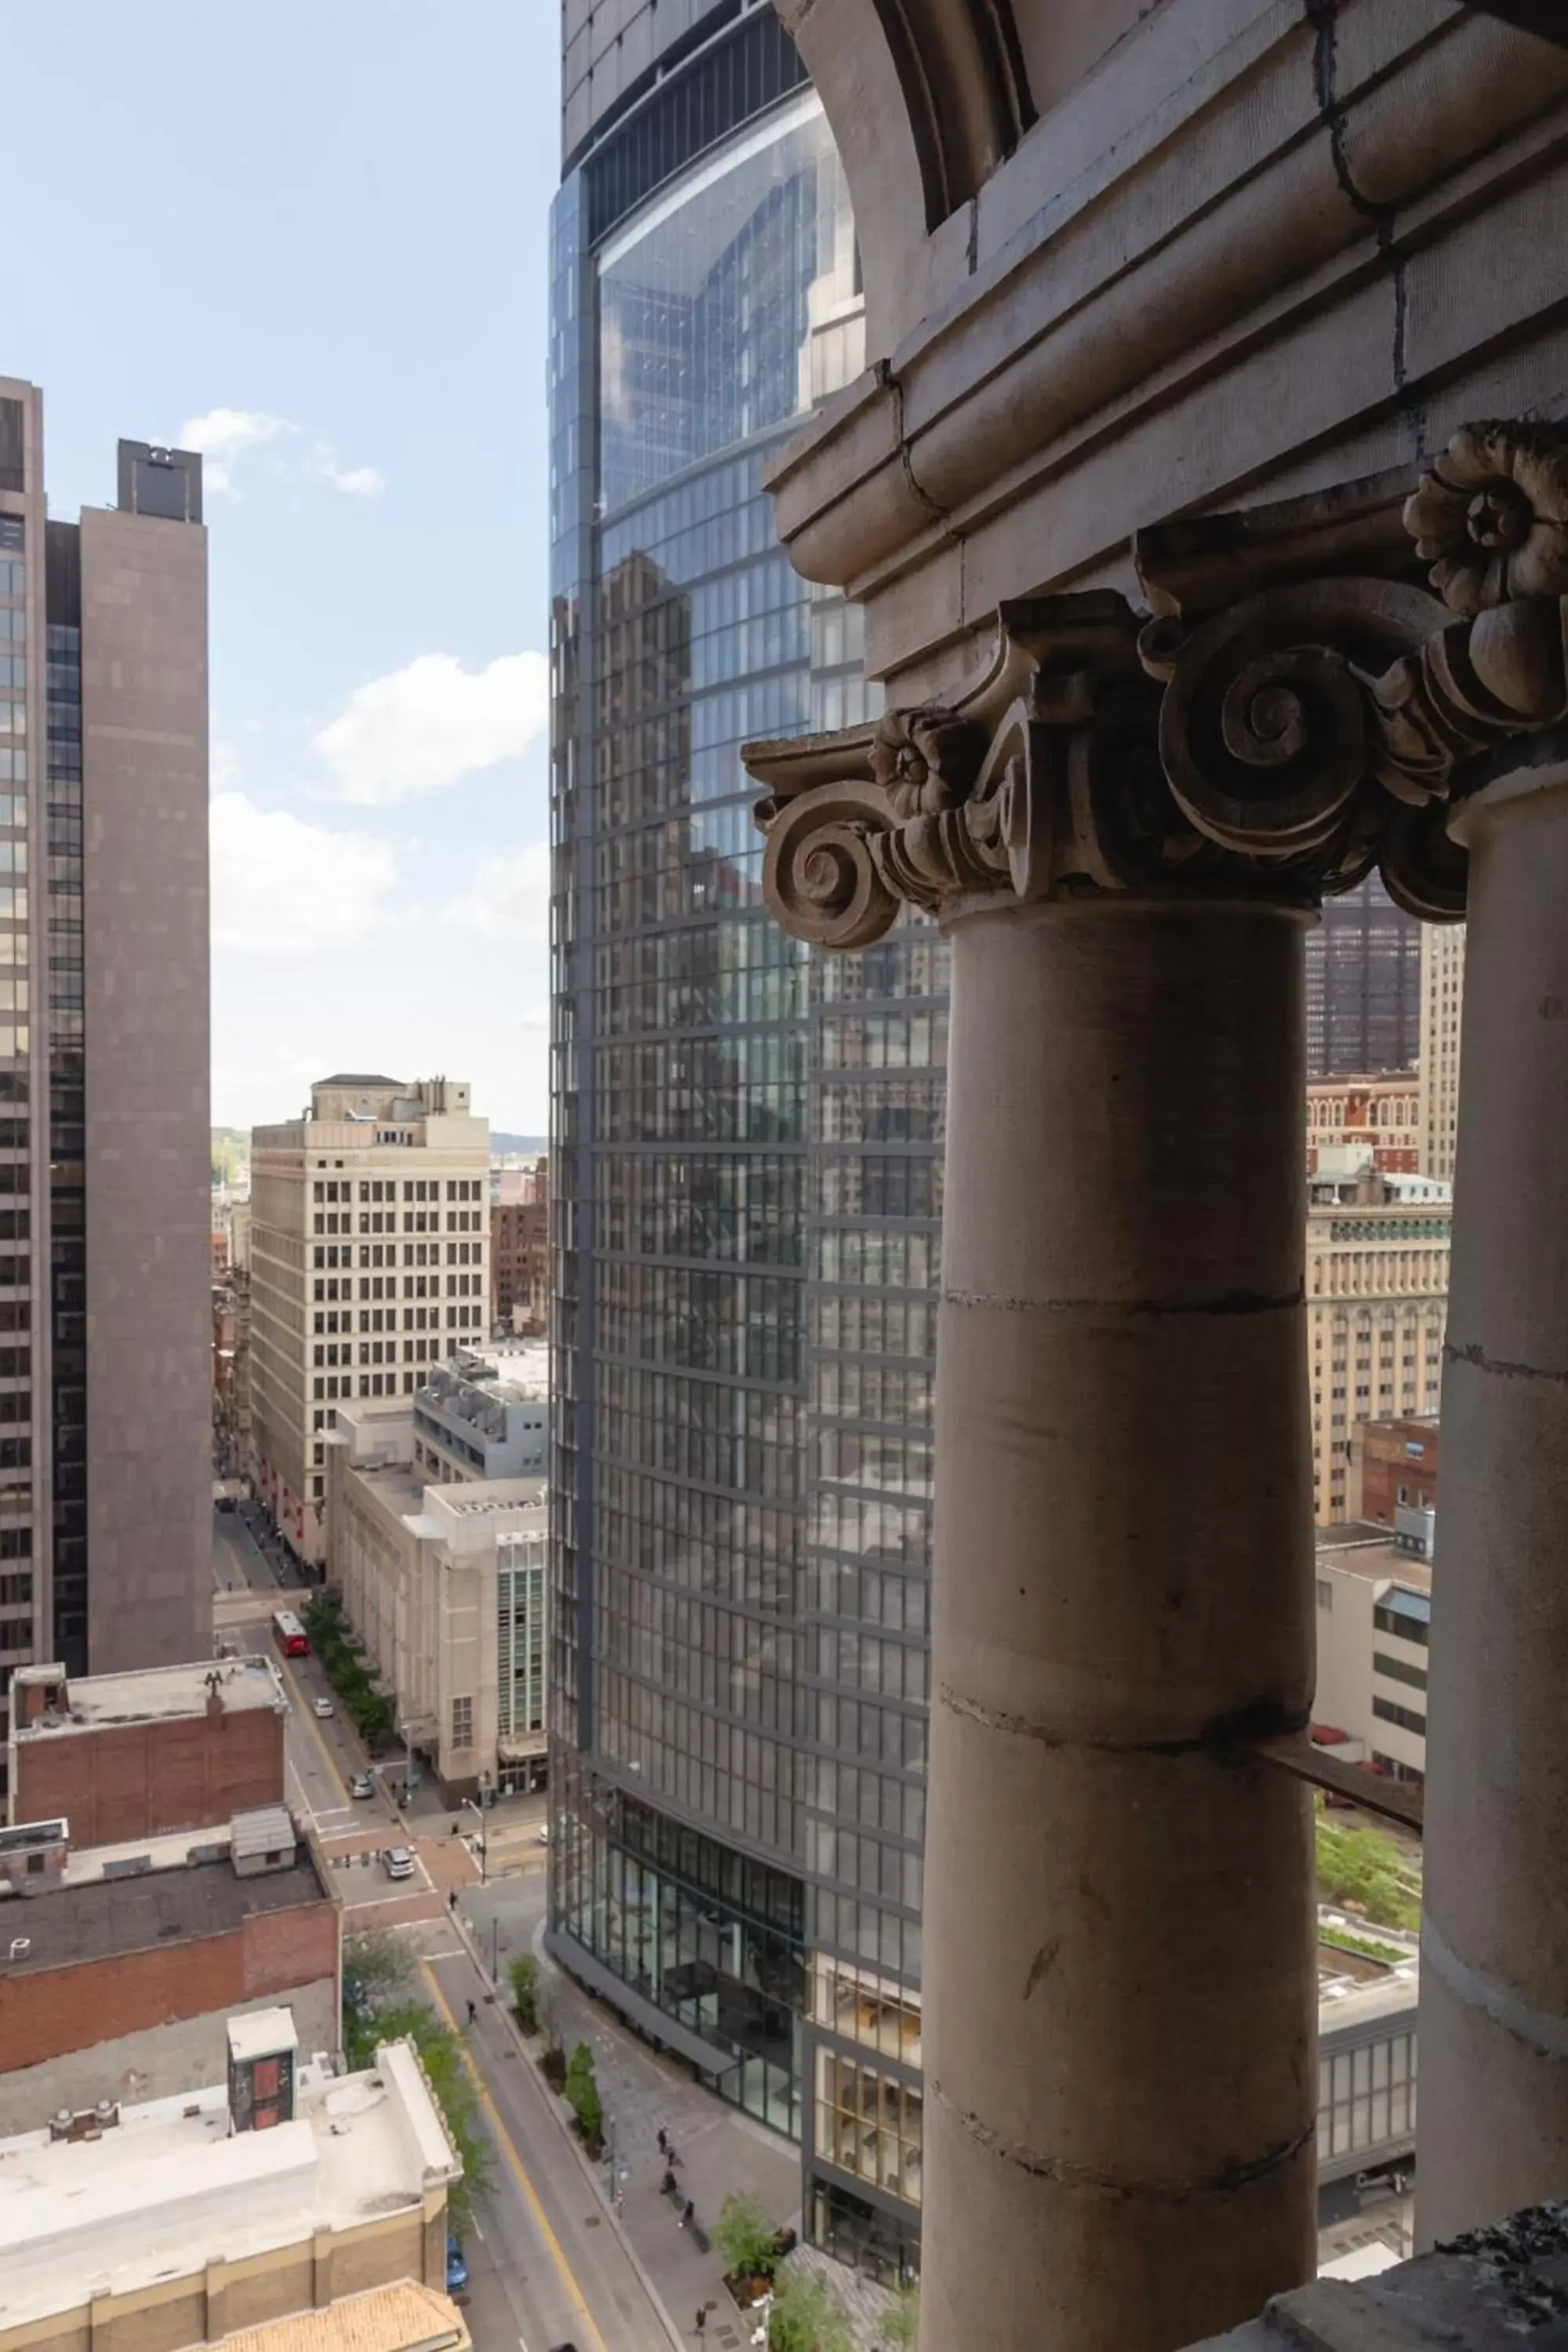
504	2141
307	1716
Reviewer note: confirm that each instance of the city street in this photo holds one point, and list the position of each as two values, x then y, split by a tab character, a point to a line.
548	2265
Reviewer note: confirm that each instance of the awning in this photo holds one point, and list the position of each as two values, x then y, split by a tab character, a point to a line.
645	2014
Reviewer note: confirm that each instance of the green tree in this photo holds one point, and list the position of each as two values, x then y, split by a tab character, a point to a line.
1364	1867
524	1974
456	2093
900	2327
746	2239
583	2094
807	2317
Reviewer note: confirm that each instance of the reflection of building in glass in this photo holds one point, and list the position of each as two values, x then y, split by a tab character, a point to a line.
746	1205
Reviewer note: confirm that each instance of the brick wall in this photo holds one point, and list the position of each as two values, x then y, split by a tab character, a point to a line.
139	1780
1387	1464
47	2013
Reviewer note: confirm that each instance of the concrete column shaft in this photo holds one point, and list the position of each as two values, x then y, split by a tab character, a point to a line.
1120	2079
1494	1977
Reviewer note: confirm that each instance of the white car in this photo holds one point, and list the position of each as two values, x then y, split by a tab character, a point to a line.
397	1862
323	1708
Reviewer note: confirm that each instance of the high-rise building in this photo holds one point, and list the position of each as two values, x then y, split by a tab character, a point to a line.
105	1257
1442	1009
370	1242
747	1149
1377	1302
1363	985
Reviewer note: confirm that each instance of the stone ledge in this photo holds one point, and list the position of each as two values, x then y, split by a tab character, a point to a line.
1490	2291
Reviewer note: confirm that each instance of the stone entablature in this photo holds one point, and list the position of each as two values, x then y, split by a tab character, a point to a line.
1316	687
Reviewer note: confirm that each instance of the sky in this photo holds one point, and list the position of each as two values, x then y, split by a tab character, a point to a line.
308	237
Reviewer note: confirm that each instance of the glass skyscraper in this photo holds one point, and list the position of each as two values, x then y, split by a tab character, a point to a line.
748	1139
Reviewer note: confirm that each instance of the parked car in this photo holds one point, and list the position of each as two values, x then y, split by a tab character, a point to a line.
544	1832
457	2264
324	1708
362	1784
397	1862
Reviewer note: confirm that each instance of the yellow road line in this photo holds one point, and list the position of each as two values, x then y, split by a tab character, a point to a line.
505	2143
307	1711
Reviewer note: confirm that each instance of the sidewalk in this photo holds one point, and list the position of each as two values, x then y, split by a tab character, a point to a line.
718	2150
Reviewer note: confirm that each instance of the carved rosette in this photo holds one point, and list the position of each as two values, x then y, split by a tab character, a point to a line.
1286	723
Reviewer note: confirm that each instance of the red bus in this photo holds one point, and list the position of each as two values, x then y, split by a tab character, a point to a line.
289	1635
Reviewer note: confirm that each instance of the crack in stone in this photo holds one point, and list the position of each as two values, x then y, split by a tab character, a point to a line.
1472	1353
1223	1302
1228	2178
885	371
1041	1963
1225	1738
1322	17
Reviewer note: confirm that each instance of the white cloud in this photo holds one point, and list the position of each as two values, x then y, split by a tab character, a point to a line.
508	898
358	481
227	437
282	886
223	763
422	728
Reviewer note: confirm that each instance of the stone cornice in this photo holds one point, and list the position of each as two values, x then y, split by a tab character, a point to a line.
1159	259
1298	708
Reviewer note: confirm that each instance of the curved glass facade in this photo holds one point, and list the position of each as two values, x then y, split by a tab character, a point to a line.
745	1213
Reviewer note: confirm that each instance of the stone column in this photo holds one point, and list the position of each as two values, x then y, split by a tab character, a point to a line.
1494	1981
1118	1966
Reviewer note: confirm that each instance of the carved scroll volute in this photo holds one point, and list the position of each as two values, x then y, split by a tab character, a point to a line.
1265	730
1013	802
820	875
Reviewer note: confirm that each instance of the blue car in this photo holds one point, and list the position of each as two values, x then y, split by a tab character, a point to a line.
457	2264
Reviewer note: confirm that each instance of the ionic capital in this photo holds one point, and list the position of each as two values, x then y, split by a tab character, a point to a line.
1297	708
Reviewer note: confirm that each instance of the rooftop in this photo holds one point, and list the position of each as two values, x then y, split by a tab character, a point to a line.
151	1694
1379	1563
386	2319
169	2188
121	1908
363	1078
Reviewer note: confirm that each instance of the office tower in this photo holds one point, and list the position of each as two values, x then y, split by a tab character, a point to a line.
1363	985
746	1153
1442	1009
1377	1302
370	1245
105	1473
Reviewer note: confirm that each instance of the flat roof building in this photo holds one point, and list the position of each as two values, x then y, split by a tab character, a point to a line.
121	1965
370	1245
173	2219
141	1754
445	1585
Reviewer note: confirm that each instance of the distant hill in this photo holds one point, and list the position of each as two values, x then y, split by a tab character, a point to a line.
230	1150
527	1146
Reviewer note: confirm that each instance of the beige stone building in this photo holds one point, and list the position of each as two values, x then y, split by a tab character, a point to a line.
1442	1013
1377	1297
289	2207
105	1489
370	1248
445	1582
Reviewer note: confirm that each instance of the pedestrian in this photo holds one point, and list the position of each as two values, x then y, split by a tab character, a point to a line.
702	2320
689	2215
452	1900
667	2183
663	2141
473	2014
